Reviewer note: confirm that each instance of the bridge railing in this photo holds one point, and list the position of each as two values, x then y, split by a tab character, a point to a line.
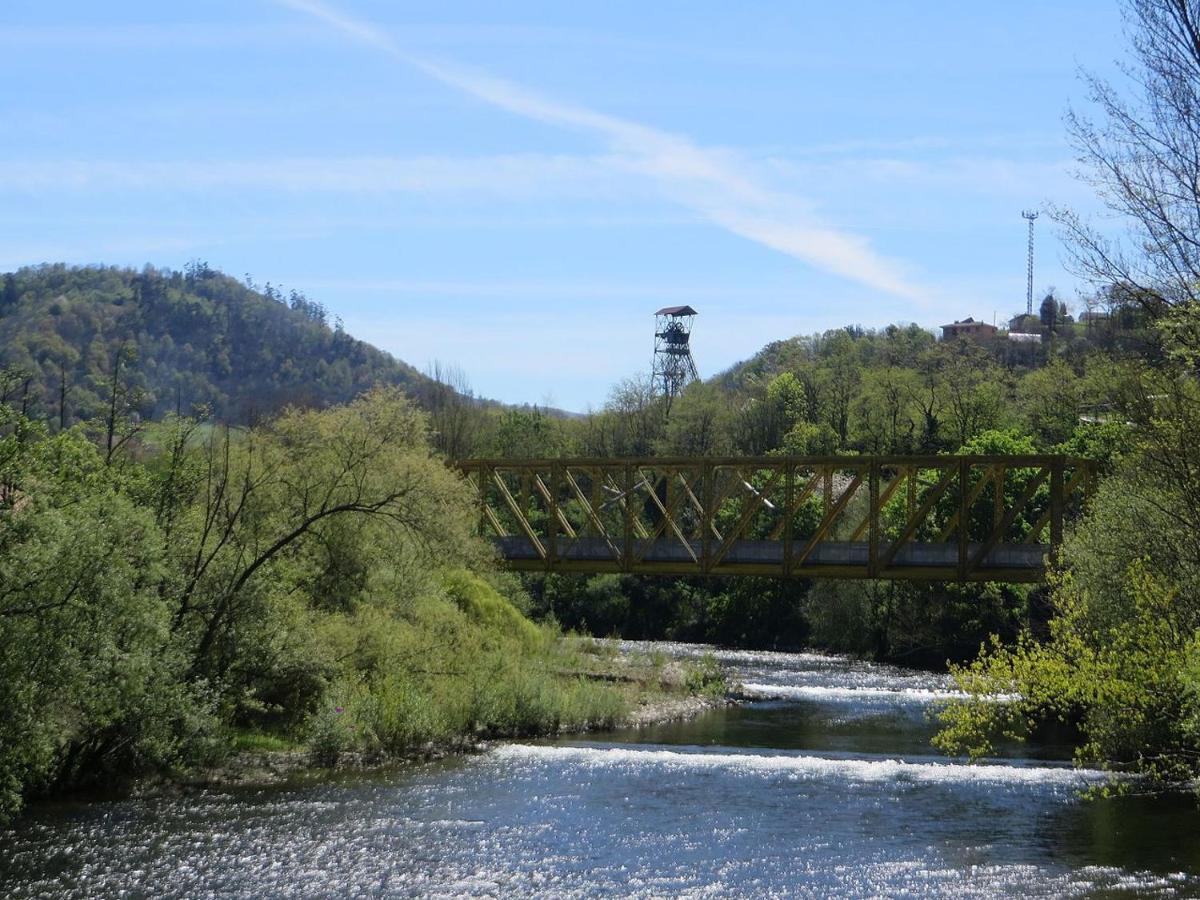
932	517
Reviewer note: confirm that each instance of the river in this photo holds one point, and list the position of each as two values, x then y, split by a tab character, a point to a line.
824	786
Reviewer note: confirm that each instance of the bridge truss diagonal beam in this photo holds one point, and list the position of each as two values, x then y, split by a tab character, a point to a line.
952	518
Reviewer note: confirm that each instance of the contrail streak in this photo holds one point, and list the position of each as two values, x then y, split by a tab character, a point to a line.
712	183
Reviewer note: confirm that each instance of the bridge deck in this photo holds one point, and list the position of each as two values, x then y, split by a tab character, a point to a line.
932	518
831	559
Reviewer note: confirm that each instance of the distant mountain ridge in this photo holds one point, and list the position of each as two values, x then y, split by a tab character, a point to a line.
179	341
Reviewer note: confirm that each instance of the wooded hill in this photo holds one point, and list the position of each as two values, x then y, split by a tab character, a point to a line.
176	341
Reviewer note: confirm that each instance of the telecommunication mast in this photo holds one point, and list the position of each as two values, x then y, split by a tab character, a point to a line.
1029	216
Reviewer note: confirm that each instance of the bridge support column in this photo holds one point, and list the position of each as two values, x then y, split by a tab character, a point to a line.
789	491
627	543
707	514
1056	508
964	517
873	521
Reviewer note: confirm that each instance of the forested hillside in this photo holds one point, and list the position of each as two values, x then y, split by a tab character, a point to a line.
852	390
167	341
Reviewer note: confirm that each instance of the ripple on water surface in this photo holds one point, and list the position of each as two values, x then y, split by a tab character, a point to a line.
683	817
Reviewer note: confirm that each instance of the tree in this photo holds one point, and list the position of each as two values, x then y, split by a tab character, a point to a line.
927	395
263	494
839	381
886	418
526	434
1048	313
973	391
120	416
86	681
1141	158
277	577
638	416
11	293
454	414
1049	402
771	413
699	424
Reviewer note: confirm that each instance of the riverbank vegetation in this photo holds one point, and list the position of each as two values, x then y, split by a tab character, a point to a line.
1120	654
171	591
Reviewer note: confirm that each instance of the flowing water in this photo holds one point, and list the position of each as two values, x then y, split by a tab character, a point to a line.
824	786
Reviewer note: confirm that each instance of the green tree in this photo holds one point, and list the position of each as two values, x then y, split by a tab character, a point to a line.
1048	313
526	434
88	681
809	439
635	417
699	424
268	492
1049	399
10	295
973	391
770	412
885	417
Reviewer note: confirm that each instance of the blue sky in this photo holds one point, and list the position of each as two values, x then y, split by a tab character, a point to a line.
514	188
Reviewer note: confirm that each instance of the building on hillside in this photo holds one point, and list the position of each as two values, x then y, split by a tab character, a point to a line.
968	328
1025	323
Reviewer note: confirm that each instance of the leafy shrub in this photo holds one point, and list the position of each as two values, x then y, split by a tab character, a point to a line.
484	605
706	677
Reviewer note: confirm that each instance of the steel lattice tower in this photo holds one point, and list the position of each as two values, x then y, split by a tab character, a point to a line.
1029	216
673	369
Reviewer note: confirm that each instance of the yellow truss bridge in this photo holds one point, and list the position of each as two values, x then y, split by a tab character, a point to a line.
947	518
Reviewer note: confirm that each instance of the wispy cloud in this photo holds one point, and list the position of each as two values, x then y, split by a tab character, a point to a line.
714	183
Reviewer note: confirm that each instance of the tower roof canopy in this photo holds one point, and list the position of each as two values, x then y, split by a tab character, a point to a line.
677	311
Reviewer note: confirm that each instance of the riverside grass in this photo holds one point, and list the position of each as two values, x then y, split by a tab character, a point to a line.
474	668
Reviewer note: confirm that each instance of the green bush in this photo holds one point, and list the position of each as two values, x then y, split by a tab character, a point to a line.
483	604
314	578
706	677
1121	658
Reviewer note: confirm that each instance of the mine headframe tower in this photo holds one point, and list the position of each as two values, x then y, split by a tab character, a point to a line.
674	369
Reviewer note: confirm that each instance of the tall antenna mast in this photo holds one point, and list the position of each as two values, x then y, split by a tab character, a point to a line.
1029	216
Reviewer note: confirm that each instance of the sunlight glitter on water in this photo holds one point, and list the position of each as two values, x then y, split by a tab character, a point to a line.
851	694
829	788
807	767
